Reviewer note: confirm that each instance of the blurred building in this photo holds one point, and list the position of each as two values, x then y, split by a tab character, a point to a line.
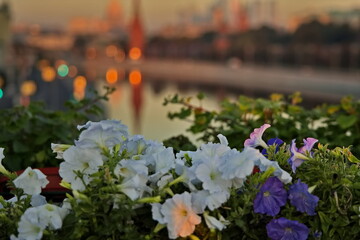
5	34
261	13
351	17
112	23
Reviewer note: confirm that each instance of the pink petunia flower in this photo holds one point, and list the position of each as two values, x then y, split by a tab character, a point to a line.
256	137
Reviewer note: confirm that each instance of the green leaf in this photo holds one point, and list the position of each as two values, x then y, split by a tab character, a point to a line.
346	121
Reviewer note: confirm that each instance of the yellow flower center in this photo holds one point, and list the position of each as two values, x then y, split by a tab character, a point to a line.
266	194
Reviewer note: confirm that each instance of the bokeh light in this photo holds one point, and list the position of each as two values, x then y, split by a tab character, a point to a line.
91	53
73	71
59	62
135	53
111	51
79	83
1	93
28	88
42	64
135	77
63	70
111	76
48	74
120	56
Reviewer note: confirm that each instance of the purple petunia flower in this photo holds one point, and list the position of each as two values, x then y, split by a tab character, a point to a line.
271	197
298	155
285	229
277	141
256	137
300	198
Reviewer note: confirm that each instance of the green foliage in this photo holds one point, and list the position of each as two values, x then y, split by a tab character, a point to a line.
26	133
337	125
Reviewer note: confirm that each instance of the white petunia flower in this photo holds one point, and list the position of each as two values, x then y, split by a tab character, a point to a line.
163	162
204	198
156	213
87	161
235	164
103	134
213	223
37	200
135	187
130	168
179	215
210	176
59	149
31	181
36	219
263	163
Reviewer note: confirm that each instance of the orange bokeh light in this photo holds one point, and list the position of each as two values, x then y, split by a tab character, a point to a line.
135	77
28	88
48	74
79	83
135	53
111	76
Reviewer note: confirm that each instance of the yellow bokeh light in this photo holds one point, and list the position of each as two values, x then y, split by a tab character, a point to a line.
72	71
111	76
48	74
135	77
28	88
79	83
135	53
111	51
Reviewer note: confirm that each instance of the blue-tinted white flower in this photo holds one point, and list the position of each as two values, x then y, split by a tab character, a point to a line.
59	149
135	145
210	176
130	168
264	164
163	162
37	200
135	187
87	161
28	230
214	223
203	199
103	134
164	180
31	181
235	164
156	213
36	219
179	215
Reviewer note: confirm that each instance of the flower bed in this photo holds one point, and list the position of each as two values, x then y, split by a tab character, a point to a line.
127	187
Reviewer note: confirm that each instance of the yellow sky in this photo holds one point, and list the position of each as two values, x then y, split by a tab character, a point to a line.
155	12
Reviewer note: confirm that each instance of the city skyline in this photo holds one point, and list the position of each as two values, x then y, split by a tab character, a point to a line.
155	13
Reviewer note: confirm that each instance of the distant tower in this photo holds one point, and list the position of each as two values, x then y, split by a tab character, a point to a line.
137	39
114	15
5	19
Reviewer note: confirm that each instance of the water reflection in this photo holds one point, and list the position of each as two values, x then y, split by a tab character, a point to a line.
140	107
